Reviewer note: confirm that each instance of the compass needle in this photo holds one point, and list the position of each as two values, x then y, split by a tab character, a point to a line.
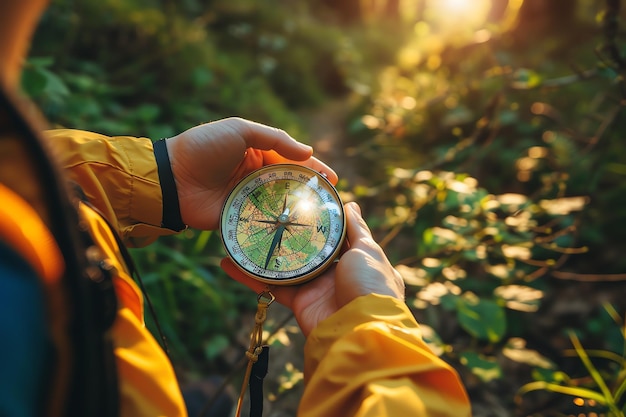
298	224
265	221
285	203
276	241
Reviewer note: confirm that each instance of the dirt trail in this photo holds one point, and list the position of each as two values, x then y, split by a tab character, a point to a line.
327	132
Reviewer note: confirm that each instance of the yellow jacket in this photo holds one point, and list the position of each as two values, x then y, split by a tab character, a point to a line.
368	359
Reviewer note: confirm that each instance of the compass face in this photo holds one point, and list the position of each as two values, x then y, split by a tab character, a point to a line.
283	224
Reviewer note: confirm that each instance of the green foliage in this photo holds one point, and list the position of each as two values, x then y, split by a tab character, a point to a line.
485	145
128	66
602	392
197	309
487	369
479	255
494	156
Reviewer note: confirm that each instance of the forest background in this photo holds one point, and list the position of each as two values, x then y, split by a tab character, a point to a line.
484	140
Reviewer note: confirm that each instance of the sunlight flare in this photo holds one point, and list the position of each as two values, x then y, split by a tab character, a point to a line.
469	13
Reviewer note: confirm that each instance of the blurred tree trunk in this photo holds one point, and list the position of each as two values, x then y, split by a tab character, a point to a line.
392	8
353	11
540	17
347	11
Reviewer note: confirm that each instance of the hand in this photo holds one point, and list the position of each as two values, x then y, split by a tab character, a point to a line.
363	269
208	160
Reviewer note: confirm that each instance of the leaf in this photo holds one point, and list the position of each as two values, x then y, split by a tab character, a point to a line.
413	276
433	293
526	79
516	350
216	346
508	117
442	235
449	301
593	371
147	112
428	236
483	319
33	82
54	84
41	61
572	391
550	375
432	339
520	297
516	252
485	368
563	206
512	199
201	77
37	80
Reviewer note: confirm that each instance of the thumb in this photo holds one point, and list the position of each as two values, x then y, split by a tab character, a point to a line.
358	231
260	136
364	268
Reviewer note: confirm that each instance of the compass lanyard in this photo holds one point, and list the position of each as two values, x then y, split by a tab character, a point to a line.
258	358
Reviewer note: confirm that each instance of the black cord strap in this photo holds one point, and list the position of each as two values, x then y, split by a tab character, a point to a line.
255	383
171	218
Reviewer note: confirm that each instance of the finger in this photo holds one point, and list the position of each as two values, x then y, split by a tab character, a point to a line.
229	267
283	295
358	231
265	137
272	157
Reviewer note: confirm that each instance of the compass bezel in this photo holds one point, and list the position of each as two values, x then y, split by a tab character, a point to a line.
258	272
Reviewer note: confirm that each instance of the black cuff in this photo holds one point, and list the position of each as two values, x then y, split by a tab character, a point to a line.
171	218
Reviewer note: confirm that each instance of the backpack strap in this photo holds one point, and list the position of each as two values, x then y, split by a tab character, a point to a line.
83	374
22	229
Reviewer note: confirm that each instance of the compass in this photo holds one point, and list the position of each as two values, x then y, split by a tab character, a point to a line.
283	224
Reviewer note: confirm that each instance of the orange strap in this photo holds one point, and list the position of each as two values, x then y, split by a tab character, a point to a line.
24	231
256	351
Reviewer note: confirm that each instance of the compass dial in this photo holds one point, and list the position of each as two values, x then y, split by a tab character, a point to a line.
283	224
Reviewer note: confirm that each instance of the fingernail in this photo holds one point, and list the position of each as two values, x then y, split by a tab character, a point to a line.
356	208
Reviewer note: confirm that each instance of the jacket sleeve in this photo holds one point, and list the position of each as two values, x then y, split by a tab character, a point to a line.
118	176
369	360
